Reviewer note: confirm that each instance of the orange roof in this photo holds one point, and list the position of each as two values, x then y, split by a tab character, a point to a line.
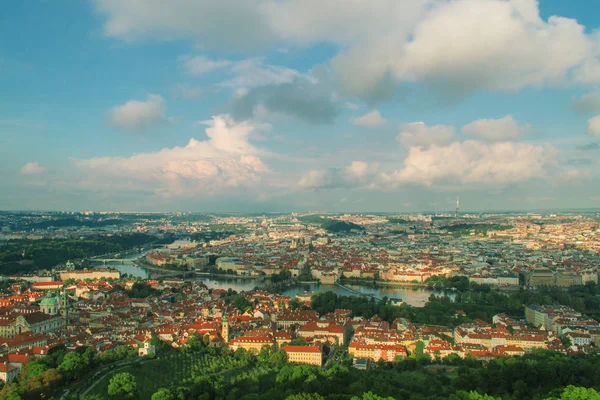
301	349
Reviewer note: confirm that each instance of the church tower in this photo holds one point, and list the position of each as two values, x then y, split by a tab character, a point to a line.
49	305
225	329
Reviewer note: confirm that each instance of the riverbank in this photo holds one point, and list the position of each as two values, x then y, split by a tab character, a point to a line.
213	275
377	283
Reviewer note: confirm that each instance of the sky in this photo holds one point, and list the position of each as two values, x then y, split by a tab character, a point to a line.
299	105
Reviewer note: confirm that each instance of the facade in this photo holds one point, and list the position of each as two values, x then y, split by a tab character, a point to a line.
324	331
312	355
252	344
91	274
376	352
35	322
147	350
8	372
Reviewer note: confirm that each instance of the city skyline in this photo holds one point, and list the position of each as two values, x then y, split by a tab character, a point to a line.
390	106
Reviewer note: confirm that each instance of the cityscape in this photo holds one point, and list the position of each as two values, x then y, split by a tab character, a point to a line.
251	293
300	200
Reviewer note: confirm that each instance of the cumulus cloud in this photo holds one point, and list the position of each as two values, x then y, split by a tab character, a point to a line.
372	119
358	174
32	168
226	160
455	46
594	126
237	24
200	65
418	134
503	129
587	103
305	97
138	116
254	72
509	47
472	163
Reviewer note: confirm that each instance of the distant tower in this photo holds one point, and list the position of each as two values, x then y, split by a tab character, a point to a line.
225	329
457	206
65	304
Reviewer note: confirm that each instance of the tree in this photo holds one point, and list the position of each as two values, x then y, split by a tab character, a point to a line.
278	358
34	368
241	303
371	396
122	386
195	342
163	394
305	396
577	393
264	354
73	365
472	395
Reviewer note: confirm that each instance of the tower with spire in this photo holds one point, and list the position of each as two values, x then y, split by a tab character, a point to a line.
225	329
457	207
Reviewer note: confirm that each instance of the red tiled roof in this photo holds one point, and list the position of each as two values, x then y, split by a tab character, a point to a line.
301	349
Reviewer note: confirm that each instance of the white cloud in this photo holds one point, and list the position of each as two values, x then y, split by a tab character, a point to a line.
502	129
418	134
225	161
137	116
358	174
463	46
32	168
587	103
281	92
472	163
237	24
372	119
594	126
455	46
200	65
253	72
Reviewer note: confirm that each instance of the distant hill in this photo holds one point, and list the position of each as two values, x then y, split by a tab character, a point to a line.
334	226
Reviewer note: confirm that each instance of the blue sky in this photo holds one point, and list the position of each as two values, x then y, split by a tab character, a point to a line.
263	105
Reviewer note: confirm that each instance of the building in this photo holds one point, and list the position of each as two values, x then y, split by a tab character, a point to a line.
324	331
312	355
8	372
542	277
376	352
147	350
225	329
36	322
52	285
252	344
91	274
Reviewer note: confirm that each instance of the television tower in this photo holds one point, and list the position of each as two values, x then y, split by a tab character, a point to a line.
457	206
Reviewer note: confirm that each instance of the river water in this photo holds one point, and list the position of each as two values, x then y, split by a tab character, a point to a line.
414	296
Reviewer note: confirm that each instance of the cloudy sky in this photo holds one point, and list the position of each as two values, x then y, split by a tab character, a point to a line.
279	105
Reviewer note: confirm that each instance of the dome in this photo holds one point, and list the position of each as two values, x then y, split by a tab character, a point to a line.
48	300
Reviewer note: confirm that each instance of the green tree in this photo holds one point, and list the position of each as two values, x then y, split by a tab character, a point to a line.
163	394
34	368
305	396
577	393
472	395
264	354
371	396
278	358
122	386
73	365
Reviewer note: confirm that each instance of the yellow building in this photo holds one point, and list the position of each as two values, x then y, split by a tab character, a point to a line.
251	343
312	355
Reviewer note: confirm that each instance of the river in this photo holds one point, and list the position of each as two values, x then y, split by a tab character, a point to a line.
414	296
